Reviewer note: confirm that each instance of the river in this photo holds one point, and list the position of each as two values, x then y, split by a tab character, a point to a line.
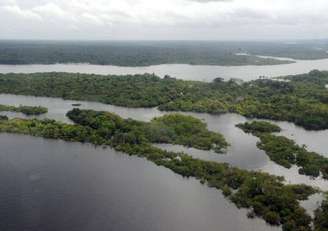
57	185
182	71
54	185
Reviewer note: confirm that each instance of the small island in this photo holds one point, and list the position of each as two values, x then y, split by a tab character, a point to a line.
259	127
171	128
26	110
286	152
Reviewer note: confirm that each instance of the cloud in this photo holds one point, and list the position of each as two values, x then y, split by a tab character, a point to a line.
93	19
167	19
211	0
17	11
50	9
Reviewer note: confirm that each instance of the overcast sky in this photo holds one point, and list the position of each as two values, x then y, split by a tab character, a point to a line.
164	19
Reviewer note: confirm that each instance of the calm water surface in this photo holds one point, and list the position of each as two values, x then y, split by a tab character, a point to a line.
55	185
181	71
99	189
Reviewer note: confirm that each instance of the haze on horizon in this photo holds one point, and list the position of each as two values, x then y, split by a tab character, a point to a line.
164	19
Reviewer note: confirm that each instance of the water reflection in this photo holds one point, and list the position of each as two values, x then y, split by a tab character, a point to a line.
314	140
55	185
313	203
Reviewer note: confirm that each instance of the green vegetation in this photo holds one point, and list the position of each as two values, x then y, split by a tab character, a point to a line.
264	195
128	53
3	117
259	126
301	99
27	110
285	151
185	130
157	52
171	128
131	90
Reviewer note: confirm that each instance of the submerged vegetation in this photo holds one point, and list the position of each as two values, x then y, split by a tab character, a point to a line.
285	151
264	195
301	99
27	110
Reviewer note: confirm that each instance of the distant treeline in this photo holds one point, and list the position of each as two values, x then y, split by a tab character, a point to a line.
128	53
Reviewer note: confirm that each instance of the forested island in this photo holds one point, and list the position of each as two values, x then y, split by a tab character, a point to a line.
259	127
26	110
285	151
301	99
171	128
265	196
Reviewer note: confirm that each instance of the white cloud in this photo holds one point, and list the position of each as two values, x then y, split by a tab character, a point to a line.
147	19
17	11
94	19
50	9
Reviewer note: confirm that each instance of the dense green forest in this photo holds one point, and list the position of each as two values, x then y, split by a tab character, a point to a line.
161	52
256	127
131	90
27	110
130	53
172	128
301	99
264	195
285	151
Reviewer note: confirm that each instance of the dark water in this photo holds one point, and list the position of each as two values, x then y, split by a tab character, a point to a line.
55	185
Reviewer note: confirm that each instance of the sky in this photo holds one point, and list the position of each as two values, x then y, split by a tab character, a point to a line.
164	19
